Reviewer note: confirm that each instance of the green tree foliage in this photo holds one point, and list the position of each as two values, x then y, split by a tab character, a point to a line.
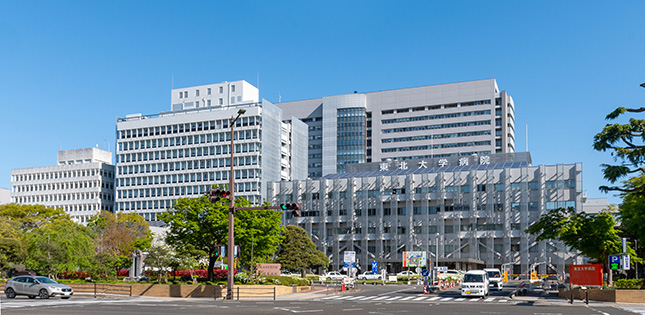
159	258
116	237
632	211
200	223
626	142
298	251
258	232
61	245
11	252
595	236
26	218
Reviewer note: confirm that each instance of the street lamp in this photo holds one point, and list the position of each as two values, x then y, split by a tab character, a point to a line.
231	218
436	256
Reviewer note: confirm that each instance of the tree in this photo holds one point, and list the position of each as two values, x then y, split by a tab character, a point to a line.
62	245
632	211
627	143
595	236
160	258
258	232
198	222
29	217
11	252
116	237
298	251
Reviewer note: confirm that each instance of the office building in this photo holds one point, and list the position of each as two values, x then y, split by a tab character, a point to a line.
185	151
5	196
466	211
82	183
436	121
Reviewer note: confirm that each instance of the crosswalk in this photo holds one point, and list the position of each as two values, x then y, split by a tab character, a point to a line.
414	298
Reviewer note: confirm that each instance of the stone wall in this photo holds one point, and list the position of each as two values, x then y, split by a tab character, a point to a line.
622	296
183	290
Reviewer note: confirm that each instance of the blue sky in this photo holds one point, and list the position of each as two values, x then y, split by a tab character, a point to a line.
69	68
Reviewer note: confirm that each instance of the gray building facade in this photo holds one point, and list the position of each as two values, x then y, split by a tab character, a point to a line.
82	183
465	211
446	120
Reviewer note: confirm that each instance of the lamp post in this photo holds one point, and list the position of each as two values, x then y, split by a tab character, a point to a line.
436	261
231	218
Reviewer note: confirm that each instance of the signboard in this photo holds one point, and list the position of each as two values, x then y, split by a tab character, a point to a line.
425	272
349	259
626	262
268	269
586	274
414	259
441	268
614	262
374	267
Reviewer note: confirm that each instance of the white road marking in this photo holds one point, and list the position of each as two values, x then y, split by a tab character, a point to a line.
460	299
489	299
381	298
447	299
367	298
502	301
393	298
407	298
434	298
420	298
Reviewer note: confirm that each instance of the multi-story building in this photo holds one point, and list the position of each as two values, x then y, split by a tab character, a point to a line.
183	152
82	183
466	211
457	119
5	196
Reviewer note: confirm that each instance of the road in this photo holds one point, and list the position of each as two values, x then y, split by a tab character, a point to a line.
367	299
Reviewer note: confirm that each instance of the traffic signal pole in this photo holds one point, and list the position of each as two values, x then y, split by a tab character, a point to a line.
231	218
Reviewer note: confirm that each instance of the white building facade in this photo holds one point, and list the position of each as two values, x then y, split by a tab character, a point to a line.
446	120
184	152
467	212
82	183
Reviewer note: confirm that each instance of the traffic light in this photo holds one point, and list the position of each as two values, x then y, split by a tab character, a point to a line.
295	207
216	194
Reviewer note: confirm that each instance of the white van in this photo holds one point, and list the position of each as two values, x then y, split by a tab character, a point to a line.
475	283
495	278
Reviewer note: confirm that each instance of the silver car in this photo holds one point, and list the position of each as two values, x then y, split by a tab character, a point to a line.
33	286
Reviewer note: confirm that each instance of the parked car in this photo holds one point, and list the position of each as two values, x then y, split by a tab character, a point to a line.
368	275
33	286
451	273
406	273
335	276
551	282
495	278
475	283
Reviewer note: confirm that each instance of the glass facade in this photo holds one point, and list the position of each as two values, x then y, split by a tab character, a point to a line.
351	137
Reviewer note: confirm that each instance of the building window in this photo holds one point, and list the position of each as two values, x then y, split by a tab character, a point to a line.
209	91
221	101
221	89
196	92
233	88
208	102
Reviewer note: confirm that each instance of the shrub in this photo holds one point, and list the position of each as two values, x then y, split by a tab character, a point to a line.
630	284
242	278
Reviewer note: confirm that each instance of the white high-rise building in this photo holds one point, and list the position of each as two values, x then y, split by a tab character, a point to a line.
82	183
445	120
183	152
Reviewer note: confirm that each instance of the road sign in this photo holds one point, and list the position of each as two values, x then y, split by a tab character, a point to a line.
614	262
414	258
425	272
586	274
441	268
374	267
626	262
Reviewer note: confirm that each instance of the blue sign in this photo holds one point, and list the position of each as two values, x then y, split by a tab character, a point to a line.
425	272
374	267
348	264
614	262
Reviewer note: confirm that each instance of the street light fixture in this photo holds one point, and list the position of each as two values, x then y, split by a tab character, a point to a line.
436	256
231	211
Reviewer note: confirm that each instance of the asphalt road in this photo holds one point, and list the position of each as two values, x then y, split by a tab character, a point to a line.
368	299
